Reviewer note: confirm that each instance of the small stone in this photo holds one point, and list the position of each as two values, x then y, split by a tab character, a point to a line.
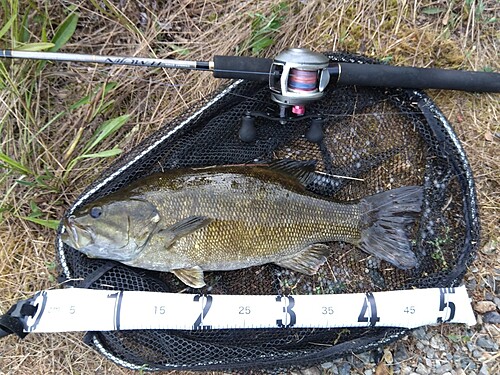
479	319
327	365
401	354
365	357
441	370
484	370
428	362
484	306
486	343
460	371
431	353
309	371
368	372
491	317
471	285
421	369
489	248
345	369
488	296
470	346
419	333
437	342
477	353
497	302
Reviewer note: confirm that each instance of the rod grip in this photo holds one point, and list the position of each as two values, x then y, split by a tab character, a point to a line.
239	67
418	78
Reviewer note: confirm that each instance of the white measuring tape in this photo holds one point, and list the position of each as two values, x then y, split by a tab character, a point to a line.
101	310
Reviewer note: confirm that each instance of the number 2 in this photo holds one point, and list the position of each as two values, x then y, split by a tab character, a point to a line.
198	324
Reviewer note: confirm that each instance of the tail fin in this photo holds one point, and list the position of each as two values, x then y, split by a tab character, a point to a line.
384	220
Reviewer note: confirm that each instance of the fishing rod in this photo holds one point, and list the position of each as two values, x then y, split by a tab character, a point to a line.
296	77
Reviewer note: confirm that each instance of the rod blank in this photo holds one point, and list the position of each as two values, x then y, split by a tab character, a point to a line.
115	60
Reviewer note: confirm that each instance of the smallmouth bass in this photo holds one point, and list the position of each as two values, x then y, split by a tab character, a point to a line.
188	221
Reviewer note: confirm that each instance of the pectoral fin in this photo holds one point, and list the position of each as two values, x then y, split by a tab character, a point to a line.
186	226
192	277
308	260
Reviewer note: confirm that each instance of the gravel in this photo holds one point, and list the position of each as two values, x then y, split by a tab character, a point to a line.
448	349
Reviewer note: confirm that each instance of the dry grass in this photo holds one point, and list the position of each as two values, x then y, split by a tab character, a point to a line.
458	36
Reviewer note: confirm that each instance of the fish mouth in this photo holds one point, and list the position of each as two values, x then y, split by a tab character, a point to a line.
75	234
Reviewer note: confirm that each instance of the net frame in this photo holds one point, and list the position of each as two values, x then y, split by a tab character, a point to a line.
450	177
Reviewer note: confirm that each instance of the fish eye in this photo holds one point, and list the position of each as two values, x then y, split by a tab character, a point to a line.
95	212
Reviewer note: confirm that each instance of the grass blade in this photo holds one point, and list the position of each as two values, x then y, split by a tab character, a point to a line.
433	10
14	165
103	154
105	130
7	25
52	224
64	32
36	46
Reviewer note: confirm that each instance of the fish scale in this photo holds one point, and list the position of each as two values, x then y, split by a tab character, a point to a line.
276	222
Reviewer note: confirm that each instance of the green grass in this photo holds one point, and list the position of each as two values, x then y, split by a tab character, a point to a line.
264	28
26	152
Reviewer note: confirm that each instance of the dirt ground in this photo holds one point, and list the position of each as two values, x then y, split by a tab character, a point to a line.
50	113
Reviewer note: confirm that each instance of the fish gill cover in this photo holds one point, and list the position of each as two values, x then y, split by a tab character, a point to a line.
380	139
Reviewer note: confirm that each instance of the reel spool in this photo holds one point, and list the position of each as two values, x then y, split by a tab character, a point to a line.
298	76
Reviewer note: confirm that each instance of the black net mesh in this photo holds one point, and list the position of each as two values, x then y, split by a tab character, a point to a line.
381	139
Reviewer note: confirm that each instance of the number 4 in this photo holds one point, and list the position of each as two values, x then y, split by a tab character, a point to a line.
373	319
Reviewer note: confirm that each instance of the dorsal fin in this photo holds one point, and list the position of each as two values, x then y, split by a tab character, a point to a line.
302	170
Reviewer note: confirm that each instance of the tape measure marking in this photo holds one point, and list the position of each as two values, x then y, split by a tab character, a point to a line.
100	310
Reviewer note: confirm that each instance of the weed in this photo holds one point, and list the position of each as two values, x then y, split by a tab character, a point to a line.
438	251
264	28
460	339
106	129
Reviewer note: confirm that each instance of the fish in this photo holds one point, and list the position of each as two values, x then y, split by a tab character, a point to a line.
221	218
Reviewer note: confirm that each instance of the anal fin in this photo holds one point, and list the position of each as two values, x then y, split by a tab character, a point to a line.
192	277
308	260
